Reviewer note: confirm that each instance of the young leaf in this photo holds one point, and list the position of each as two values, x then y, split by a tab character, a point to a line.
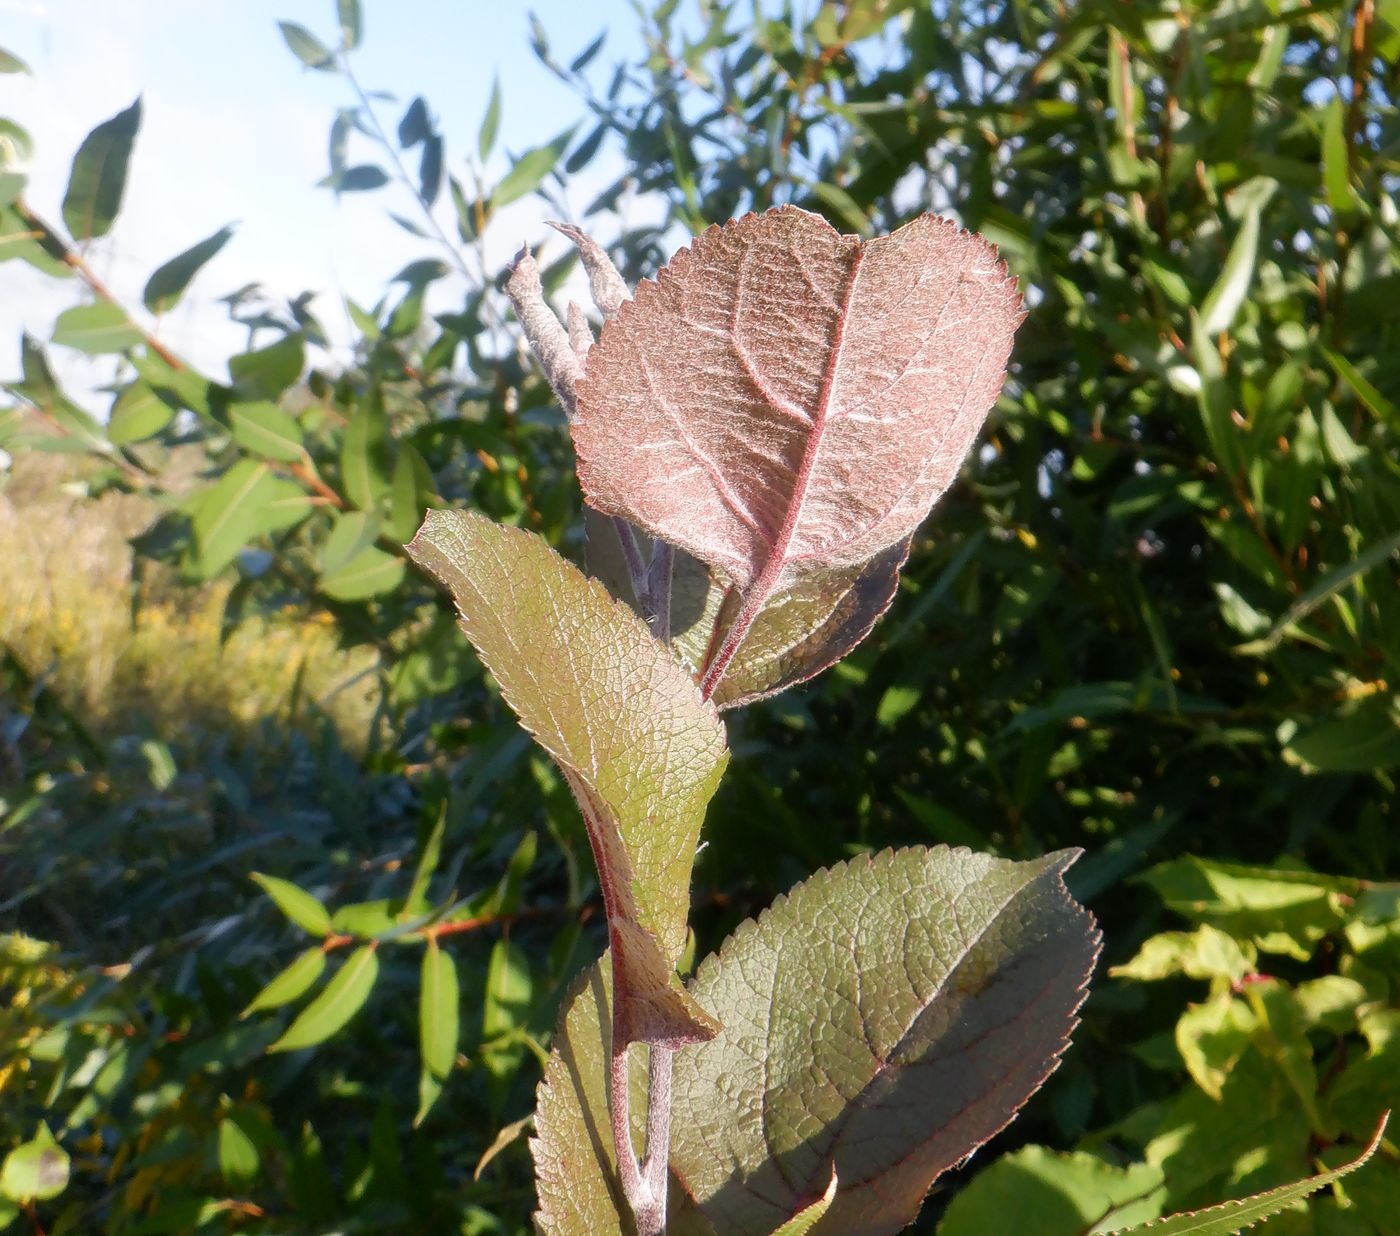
296	903
306	47
1234	1216
96	329
168	283
36	1170
336	1005
784	400
438	1010
98	177
887	1017
351	23
639	748
292	983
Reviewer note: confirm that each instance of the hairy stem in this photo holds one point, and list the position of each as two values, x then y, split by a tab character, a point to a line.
658	1154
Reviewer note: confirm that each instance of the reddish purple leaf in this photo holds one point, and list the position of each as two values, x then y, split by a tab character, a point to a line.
784	400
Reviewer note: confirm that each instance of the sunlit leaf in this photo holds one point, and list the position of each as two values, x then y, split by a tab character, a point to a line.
886	1017
438	1010
337	1003
96	329
297	904
292	983
626	725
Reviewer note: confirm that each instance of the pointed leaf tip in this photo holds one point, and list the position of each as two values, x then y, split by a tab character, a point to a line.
886	1017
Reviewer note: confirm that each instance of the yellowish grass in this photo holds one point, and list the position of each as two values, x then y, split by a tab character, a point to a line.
65	610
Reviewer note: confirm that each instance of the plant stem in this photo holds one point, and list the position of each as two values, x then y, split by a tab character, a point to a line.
658	1155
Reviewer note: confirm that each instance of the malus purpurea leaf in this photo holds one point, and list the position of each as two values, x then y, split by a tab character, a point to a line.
641	751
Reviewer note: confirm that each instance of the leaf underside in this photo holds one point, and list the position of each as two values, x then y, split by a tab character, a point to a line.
639	748
882	1020
795	637
784	400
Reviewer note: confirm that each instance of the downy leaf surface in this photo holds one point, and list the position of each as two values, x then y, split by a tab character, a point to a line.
885	1018
784	400
640	750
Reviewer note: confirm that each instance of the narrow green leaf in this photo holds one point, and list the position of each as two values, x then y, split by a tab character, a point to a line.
306	47
491	122
529	171
342	998
168	283
438	1010
904	1006
351	23
625	723
417	900
405	511
138	413
369	573
1234	1216
97	180
96	329
1224	299
297	904
292	983
264	429
364	453
1336	172
1362	389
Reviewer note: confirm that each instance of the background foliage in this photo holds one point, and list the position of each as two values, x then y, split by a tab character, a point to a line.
1159	619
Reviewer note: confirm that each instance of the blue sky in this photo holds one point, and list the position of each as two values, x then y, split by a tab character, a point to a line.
235	129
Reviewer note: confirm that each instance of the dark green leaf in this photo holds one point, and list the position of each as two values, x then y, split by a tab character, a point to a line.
168	284
269	371
97	180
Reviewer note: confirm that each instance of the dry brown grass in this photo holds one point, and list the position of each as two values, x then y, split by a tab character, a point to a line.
66	611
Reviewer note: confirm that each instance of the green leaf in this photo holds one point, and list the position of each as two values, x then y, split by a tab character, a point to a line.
1224	299
1206	953
178	387
364	453
415	125
888	1016
528	171
491	122
405	510
1377	403
416	902
1336	171
1362	738
438	1009
341	999
351	532
625	723
1052	1193
292	983
10	63
267	372
306	47
230	515
36	1170
297	904
165	287
369	573
96	329
351	23
138	413
362	178
264	429
238	1156
1234	1216
98	176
